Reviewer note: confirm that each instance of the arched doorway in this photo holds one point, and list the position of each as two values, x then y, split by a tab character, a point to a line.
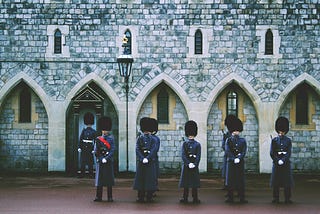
89	99
232	100
166	106
24	131
301	107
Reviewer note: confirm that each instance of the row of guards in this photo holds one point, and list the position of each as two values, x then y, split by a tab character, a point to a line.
100	150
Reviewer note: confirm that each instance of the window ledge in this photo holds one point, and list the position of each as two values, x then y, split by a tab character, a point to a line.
309	127
17	125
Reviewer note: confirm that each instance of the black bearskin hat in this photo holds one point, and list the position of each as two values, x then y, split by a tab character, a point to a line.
154	123
191	128
236	125
282	124
105	123
88	119
146	124
229	120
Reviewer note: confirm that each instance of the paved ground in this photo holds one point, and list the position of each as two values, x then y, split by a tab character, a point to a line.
53	193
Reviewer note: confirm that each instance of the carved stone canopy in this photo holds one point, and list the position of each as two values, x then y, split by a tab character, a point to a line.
88	95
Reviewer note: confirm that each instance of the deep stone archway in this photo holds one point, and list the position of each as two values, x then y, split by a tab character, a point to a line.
91	98
247	114
171	131
23	141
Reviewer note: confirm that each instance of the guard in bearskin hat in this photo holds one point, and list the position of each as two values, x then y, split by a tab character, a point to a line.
191	154
104	150
227	122
86	144
146	150
236	148
280	153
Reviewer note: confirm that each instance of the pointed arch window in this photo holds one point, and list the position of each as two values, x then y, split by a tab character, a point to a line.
129	43
269	42
302	106
25	105
198	42
232	103
57	42
163	106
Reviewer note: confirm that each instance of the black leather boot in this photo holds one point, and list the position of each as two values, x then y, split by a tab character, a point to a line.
184	198
109	189
98	194
276	193
287	195
149	196
141	195
229	196
195	196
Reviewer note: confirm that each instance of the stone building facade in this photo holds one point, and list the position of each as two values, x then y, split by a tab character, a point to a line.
205	58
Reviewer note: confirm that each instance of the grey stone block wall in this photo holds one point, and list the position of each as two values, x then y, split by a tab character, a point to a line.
215	151
161	43
171	140
215	136
305	144
23	149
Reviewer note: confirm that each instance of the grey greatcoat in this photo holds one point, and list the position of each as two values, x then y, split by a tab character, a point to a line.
157	140
146	176
236	147
224	166
191	153
281	150
104	171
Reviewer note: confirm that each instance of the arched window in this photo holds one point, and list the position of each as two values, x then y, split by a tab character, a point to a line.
25	105
129	43
302	107
269	42
198	42
232	103
57	42
163	106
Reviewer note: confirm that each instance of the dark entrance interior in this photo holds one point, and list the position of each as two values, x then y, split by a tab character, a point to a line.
92	99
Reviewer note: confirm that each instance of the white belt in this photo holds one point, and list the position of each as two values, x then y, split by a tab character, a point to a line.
282	153
87	141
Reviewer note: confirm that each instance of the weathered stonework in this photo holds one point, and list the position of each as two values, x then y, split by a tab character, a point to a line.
163	51
25	147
